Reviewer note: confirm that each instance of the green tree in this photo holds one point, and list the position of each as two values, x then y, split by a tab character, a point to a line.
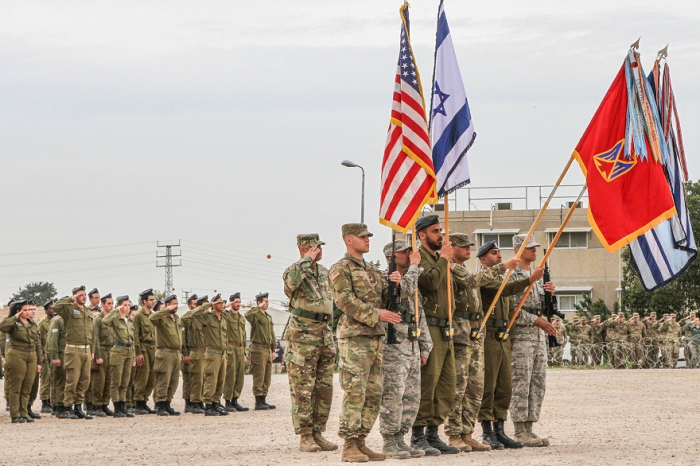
588	308
40	292
682	295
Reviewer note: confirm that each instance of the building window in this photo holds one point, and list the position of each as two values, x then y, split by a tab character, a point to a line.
567	302
570	239
503	241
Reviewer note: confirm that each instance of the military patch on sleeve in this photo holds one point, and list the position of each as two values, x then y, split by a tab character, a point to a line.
54	330
334	275
76	312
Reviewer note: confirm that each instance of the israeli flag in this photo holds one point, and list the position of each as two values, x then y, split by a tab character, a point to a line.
451	127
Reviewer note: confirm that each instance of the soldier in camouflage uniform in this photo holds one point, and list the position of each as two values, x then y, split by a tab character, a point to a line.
615	336
360	293
652	345
310	354
585	335
597	340
692	333
635	338
403	359
530	344
671	333
469	354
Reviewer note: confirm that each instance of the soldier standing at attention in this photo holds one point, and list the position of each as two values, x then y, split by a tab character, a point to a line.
130	387
214	329
597	339
195	344
498	384
438	375
652	332
360	292
310	354
262	349
636	336
185	361
403	359
45	376
167	361
101	370
21	357
530	343
56	348
145	349
94	305
121	355
78	322
235	353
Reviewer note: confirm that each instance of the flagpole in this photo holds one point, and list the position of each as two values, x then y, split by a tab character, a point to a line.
449	270
546	256
480	332
415	290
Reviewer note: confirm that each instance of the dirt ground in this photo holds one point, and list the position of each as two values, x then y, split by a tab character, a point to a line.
592	417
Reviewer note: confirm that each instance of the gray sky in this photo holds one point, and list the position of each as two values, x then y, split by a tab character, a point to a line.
224	123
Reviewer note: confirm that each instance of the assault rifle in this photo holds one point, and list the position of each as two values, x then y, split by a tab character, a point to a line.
550	307
394	305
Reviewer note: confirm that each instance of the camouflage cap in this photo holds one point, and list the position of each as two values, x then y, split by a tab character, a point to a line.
399	245
636	314
518	241
665	315
596	317
310	239
620	314
357	229
673	316
556	318
460	240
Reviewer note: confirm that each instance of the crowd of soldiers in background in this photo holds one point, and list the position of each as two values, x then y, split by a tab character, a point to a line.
638	343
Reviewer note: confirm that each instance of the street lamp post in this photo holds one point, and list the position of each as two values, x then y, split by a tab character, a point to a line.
349	164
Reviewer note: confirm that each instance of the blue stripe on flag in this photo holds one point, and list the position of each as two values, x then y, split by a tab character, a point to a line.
449	137
443	30
649	260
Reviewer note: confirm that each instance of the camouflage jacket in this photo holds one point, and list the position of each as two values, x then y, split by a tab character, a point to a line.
409	283
308	288
585	333
360	293
652	328
670	331
637	332
597	333
693	333
525	322
562	334
468	307
615	331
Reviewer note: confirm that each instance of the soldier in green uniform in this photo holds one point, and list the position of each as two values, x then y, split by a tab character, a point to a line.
262	348
56	349
214	329
130	386
45	376
438	375
78	323
93	303
310	354
22	353
235	354
167	362
102	344
121	355
185	359
361	293
498	354
145	350
195	344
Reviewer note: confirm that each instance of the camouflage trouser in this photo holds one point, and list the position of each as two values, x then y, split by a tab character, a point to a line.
360	361
693	356
596	354
636	351
401	390
652	357
469	364
529	371
555	356
670	351
310	370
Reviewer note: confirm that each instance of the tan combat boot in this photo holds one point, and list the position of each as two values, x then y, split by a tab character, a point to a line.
323	443
456	441
351	454
528	429
364	449
307	444
475	444
523	437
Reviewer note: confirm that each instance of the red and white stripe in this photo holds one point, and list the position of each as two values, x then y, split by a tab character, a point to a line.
408	176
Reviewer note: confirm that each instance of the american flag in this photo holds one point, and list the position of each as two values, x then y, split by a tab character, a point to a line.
408	176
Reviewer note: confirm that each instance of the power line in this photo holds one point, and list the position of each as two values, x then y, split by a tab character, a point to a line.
278	282
75	249
168	256
75	270
87	259
277	275
238	251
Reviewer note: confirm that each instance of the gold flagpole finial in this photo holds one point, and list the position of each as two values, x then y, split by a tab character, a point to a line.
635	46
663	53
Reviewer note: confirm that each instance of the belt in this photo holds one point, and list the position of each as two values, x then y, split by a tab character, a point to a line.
215	351
123	345
496	323
197	350
78	346
148	343
108	347
24	349
460	315
168	350
236	345
436	322
491	334
318	316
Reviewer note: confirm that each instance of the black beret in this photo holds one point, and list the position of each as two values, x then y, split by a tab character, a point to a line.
424	222
17	306
261	296
194	297
202	300
158	305
106	297
146	293
134	307
49	303
170	298
236	295
96	308
121	299
78	288
486	248
215	297
93	291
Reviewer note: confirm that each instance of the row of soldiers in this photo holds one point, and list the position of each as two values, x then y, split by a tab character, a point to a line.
125	353
645	343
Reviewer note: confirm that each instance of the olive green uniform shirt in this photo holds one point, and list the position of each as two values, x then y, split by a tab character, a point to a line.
56	343
144	331
122	329
261	329
77	321
195	336
102	336
214	330
167	327
22	335
236	336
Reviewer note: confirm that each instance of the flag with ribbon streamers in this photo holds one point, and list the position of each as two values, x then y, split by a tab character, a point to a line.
408	177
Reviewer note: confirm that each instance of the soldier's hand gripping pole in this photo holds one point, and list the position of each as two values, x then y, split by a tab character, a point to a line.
477	334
